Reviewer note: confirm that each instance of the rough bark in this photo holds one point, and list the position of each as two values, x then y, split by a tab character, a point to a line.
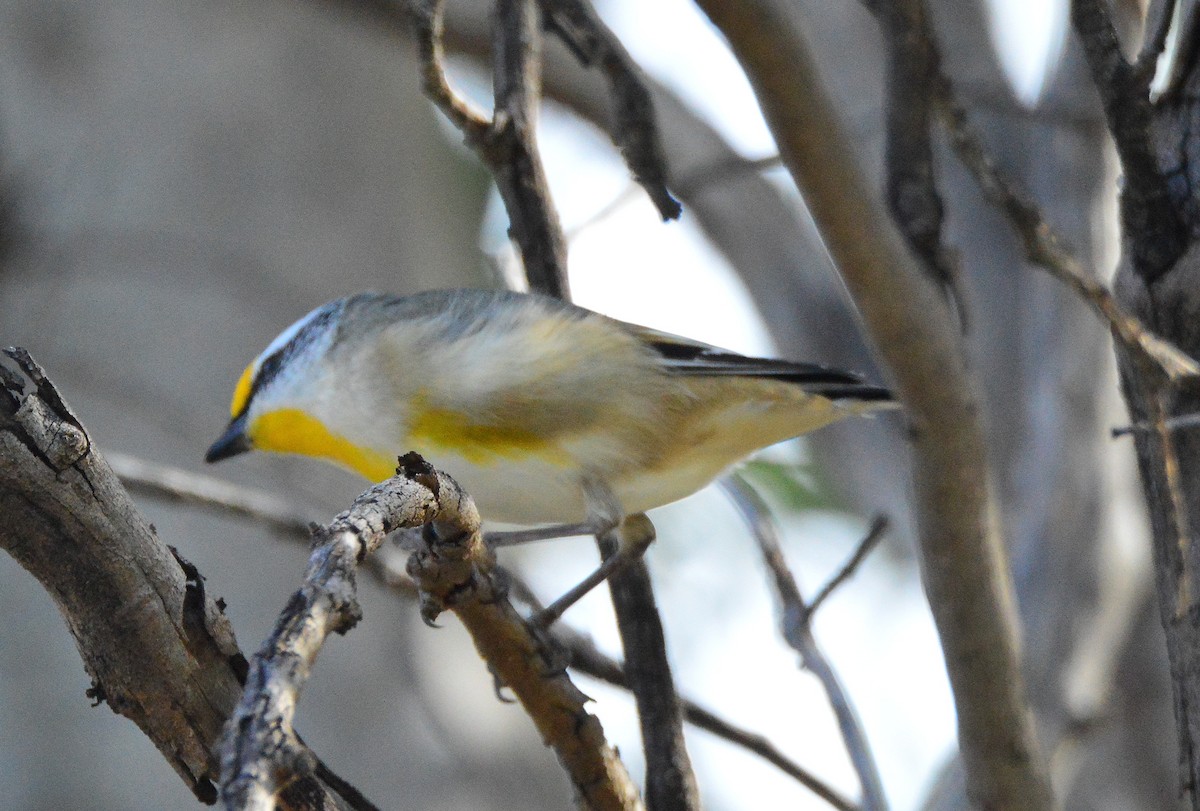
154	641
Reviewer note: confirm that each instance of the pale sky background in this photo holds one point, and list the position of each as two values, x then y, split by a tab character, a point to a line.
718	606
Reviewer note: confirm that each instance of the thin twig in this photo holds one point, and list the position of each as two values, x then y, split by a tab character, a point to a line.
879	526
587	659
206	492
635	132
1179	422
429	22
797	630
696	180
1156	26
174	484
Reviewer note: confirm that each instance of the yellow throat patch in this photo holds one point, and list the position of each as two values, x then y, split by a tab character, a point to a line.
290	430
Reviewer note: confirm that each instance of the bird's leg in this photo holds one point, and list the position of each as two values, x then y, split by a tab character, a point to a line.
633	537
519	536
633	534
604	514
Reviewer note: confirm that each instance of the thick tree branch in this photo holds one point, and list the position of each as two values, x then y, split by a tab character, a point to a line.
453	571
1167	299
965	570
1150	217
155	643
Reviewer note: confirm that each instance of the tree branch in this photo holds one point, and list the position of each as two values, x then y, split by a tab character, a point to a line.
509	152
670	783
796	624
965	570
453	571
182	487
913	68
176	485
507	144
1149	215
587	659
154	641
1043	247
635	131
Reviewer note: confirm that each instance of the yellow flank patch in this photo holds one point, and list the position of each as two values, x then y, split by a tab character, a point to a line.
290	430
241	392
453	431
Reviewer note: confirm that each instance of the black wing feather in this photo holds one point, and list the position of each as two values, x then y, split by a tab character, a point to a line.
687	358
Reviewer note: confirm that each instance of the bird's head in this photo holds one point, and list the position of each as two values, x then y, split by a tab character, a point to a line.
286	399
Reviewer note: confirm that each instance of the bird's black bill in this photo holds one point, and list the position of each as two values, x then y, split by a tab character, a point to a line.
231	443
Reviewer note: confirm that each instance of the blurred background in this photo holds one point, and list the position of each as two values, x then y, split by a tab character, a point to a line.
180	181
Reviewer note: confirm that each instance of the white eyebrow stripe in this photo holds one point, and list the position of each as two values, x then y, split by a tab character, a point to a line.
282	338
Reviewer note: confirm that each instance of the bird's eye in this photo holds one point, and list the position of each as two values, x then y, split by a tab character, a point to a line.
247	387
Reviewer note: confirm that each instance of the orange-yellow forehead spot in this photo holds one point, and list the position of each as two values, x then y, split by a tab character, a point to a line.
290	430
241	392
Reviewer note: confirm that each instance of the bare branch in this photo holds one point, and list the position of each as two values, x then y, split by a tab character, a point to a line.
511	146
1179	422
796	623
510	153
507	144
156	644
181	486
1044	248
913	70
635	132
429	23
588	659
670	782
912	328
865	546
454	571
1155	29
691	184
174	484
1151	219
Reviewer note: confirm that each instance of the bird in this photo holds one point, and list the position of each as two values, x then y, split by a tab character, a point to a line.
545	412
